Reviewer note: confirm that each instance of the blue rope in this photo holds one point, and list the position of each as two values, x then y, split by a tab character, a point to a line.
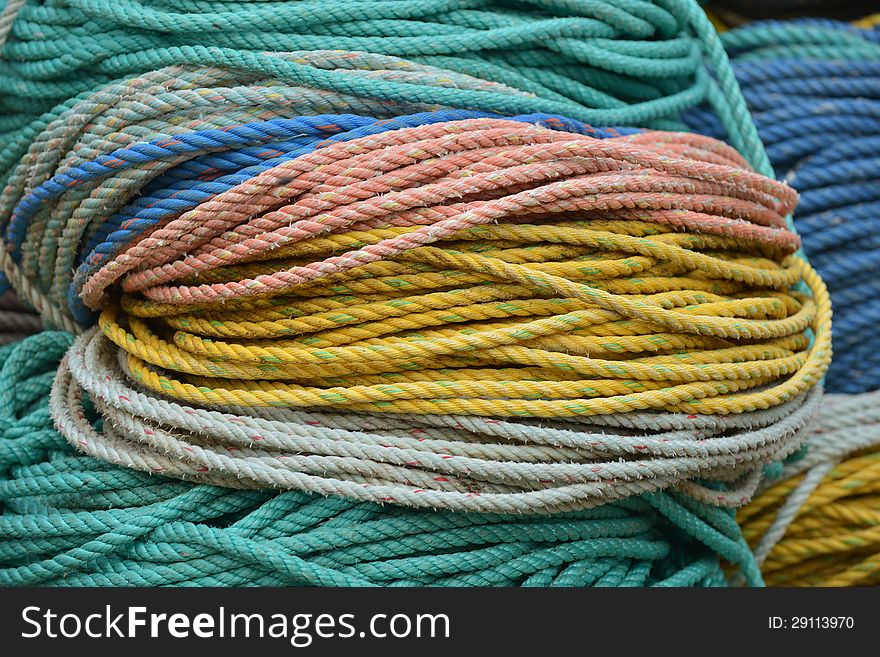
819	117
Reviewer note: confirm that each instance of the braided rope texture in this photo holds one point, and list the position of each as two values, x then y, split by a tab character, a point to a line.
812	86
814	89
71	520
186	116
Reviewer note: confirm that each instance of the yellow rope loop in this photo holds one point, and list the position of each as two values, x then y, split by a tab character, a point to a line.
498	331
556	276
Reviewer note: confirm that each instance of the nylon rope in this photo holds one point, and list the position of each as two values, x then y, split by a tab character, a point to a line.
416	277
806	81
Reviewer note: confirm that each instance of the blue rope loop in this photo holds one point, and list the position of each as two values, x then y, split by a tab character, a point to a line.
220	159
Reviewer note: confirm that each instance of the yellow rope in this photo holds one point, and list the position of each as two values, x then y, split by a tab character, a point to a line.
868	21
577	318
834	539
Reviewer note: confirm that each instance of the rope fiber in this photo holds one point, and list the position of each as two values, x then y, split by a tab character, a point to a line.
812	86
490	264
356	293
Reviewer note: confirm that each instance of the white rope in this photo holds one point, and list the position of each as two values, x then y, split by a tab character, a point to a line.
7	18
846	424
473	464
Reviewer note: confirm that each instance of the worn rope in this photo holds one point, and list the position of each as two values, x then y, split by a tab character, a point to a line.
71	520
813	89
447	462
529	294
446	272
201	112
420	161
817	524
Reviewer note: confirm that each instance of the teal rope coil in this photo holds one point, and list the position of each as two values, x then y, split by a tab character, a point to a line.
616	62
71	520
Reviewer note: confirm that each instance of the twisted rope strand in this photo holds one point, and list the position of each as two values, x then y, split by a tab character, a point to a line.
817	524
812	86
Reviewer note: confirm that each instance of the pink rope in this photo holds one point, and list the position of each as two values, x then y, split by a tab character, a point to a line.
442	179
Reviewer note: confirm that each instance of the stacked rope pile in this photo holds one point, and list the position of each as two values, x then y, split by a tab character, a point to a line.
309	272
618	62
814	90
190	114
818	524
71	520
463	254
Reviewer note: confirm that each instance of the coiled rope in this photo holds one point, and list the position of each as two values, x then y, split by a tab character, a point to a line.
217	110
618	62
433	461
493	321
818	524
561	286
71	520
813	89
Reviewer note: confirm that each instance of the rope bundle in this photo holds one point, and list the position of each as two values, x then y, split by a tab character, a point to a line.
818	524
436	461
812	86
619	62
351	274
813	89
380	245
217	110
70	520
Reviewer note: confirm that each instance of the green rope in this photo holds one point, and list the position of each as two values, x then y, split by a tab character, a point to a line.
68	519
71	520
609	62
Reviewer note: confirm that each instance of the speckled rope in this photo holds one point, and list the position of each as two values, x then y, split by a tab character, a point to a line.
663	199
619	62
816	524
382	215
379	458
814	89
169	105
446	462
